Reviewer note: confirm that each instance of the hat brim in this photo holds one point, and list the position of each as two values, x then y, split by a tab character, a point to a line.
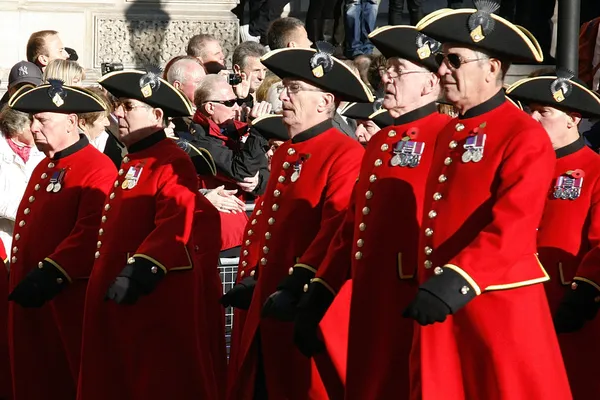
29	80
126	84
401	41
538	90
40	99
509	41
271	127
366	111
340	81
201	158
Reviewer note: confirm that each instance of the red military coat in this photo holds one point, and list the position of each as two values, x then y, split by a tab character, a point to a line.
379	239
5	380
310	185
58	226
156	348
480	220
569	247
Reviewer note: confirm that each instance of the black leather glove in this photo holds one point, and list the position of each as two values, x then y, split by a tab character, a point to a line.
427	308
139	278
282	304
579	305
240	295
40	285
311	309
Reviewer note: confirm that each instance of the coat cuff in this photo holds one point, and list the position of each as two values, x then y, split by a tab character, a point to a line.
145	272
588	281
451	286
298	279
50	277
324	283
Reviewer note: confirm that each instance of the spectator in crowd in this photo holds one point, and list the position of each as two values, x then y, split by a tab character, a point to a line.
369	119
261	14
320	20
269	91
396	8
44	47
362	64
185	74
94	124
377	69
287	32
246	63
18	158
67	71
359	22
345	125
207	49
22	73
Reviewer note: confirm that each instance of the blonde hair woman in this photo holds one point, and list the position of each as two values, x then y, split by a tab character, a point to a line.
68	71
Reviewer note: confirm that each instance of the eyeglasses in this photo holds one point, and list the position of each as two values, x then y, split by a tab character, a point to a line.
295	88
383	72
127	106
228	103
454	60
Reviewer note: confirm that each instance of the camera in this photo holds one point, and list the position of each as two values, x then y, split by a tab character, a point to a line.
234	79
105	68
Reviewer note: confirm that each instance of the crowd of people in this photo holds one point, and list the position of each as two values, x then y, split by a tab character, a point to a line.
407	225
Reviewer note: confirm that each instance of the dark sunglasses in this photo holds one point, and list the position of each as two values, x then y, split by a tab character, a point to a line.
454	60
228	103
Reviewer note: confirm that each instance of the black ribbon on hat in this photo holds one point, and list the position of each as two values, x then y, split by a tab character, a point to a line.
56	92
482	19
562	86
322	63
377	105
426	46
150	81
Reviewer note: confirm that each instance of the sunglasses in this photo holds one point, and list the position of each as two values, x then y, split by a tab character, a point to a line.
454	60
228	103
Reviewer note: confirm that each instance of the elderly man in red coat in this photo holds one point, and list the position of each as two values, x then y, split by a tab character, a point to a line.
484	327
149	330
53	244
390	190
311	180
569	235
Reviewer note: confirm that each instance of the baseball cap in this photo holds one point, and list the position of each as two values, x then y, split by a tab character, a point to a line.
25	72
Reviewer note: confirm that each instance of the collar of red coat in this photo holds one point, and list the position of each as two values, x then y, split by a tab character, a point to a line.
313	131
147	142
72	149
416	115
494	102
213	129
571	148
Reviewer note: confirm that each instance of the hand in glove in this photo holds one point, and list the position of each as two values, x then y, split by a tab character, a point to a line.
427	308
40	285
240	295
139	278
311	309
282	304
579	305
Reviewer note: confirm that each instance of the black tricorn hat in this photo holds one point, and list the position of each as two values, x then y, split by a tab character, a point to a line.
270	126
482	29
369	111
149	88
405	41
559	91
203	161
55	97
319	68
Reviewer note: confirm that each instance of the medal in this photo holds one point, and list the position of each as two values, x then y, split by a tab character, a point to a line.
569	185
474	145
395	161
298	167
407	153
125	184
55	181
57	187
467	156
132	177
50	187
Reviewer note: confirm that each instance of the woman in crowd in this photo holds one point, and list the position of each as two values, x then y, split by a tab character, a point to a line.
68	71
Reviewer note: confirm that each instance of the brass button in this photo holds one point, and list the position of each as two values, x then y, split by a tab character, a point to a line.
112	196
265	249
385	147
104	218
37	187
31	199
21	223
271	221
99	244
286	165
291	271
276	193
442	178
428	250
51	165
369	195
247	242
40	265
437	196
13	260
392	133
275	207
121	171
362	226
244	263
100	231
378	162
26	211
428	232
305	288
242	273
366	210
464	290
259	212
131	260
428	264
252	273
15	249
154	269
459	127
107	207
281	179
453	144
448	161
254	221
360	243
358	255
268	235
372	178
250	232
116	183
291	151
97	254
17	236
432	214
125	159
263	261
245	252
438	271
44	175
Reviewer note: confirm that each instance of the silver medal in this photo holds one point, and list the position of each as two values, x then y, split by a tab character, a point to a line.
414	160
477	155
57	187
395	161
467	156
50	187
295	176
131	184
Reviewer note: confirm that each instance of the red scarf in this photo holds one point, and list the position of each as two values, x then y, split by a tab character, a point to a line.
20	150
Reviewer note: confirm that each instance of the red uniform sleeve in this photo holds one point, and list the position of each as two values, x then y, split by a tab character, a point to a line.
589	268
166	245
341	180
518	203
74	256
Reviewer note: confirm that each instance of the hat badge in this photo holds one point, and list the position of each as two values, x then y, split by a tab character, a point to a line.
426	46
23	70
148	83
321	63
562	87
377	105
56	92
481	23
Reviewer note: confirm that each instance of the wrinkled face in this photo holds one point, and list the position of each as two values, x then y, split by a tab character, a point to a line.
300	38
462	83
554	121
255	71
273	97
222	106
133	117
97	127
55	50
50	130
193	76
274	145
365	130
213	53
299	101
404	83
